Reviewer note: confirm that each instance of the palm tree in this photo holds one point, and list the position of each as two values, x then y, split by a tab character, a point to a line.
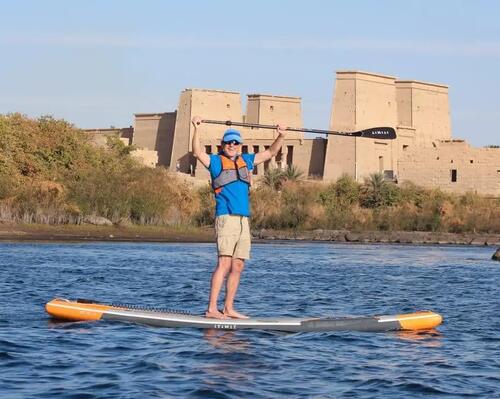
379	192
373	189
274	178
292	173
375	182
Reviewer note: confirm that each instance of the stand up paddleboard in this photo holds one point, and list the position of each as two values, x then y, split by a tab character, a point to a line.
85	310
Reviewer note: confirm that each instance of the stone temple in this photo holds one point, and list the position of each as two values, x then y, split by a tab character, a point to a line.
424	151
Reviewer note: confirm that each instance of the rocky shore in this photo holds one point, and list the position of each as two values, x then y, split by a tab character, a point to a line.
184	234
400	237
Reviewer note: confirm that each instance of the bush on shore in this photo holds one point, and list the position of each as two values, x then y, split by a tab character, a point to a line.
51	173
374	205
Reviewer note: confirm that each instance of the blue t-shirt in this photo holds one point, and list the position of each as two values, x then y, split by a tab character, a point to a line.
233	199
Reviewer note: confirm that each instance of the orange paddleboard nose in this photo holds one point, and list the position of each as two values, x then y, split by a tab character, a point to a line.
419	321
67	310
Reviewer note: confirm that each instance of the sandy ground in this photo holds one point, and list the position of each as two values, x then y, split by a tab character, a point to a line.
10	232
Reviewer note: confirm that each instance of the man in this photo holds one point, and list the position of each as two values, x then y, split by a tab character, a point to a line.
231	176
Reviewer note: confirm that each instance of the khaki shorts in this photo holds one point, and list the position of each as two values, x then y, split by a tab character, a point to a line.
233	236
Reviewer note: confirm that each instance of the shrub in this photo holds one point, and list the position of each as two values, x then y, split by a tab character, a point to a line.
292	173
276	177
377	192
157	197
339	200
51	173
266	207
204	215
296	201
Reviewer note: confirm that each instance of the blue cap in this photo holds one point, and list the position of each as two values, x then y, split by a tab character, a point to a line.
232	134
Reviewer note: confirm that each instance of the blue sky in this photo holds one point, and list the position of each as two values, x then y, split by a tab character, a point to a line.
96	63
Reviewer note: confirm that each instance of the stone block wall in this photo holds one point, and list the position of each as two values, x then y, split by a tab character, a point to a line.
146	157
209	104
425	107
418	110
452	166
361	100
99	137
155	132
262	109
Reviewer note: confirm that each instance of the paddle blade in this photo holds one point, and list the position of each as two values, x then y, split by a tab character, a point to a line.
380	133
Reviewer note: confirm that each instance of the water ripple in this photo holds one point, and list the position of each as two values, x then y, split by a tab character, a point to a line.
42	358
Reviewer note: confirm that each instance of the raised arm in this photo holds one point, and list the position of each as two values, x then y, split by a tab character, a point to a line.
273	150
197	149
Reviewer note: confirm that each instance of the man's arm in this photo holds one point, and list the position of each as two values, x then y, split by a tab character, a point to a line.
273	150
197	150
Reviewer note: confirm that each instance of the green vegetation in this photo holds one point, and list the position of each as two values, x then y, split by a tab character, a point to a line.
374	205
50	173
275	177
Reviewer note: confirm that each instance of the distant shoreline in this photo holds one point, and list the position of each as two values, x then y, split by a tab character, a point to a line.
85	232
89	233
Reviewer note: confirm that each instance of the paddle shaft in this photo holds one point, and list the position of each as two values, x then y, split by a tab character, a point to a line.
370	133
272	127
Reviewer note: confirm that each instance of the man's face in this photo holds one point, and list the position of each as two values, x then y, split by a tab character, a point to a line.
231	148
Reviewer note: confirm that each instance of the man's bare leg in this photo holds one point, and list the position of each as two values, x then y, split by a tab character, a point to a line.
233	281
218	276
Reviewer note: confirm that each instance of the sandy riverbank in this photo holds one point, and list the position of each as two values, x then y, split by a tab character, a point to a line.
103	233
9	232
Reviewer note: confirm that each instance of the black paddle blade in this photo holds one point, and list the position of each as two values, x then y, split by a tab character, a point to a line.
380	133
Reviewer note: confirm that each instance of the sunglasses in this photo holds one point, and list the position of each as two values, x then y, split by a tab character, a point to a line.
233	142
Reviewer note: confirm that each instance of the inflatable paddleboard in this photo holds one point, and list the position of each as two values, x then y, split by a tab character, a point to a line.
85	310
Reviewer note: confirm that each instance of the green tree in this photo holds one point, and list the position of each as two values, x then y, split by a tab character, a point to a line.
377	192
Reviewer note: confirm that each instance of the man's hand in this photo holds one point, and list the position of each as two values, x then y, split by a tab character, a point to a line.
273	150
195	143
281	129
196	121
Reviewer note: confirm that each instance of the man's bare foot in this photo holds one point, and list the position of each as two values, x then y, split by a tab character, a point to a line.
233	314
216	315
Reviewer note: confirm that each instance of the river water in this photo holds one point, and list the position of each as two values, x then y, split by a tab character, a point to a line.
40	358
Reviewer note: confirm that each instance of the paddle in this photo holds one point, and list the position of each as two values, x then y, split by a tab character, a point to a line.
380	133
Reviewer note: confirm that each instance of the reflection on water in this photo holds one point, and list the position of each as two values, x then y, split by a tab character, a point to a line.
431	338
41	358
226	341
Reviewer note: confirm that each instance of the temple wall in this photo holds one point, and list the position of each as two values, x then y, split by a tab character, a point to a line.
423	151
475	169
361	100
418	110
100	136
310	157
155	132
146	157
209	104
263	109
425	107
271	110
